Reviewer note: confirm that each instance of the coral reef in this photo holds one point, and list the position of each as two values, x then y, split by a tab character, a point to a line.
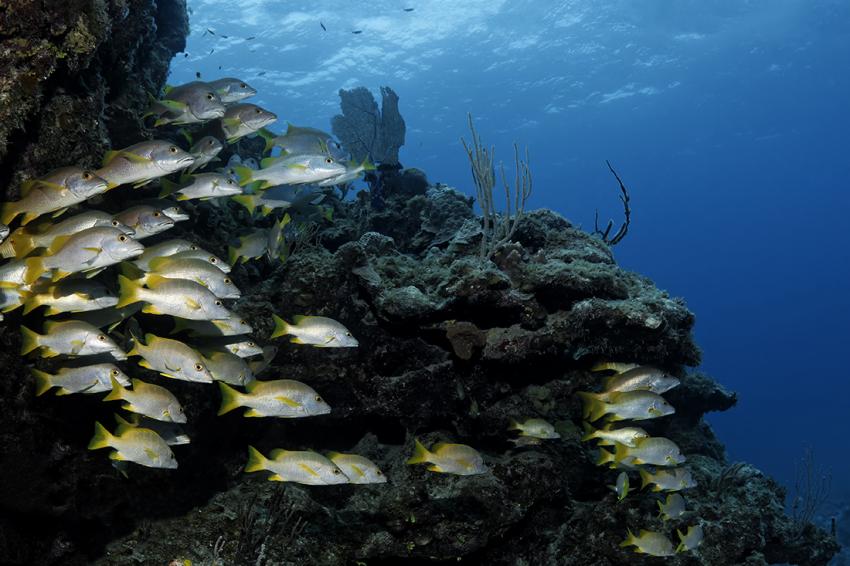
450	348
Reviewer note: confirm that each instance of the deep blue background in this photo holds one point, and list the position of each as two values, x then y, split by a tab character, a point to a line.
729	120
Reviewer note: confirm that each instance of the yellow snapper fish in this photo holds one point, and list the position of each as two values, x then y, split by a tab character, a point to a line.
191	103
4	232
300	140
54	192
72	295
171	433
229	368
632	405
138	445
242	119
237	346
142	162
13	274
352	171
690	540
204	255
25	240
231	90
205	151
456	459
149	400
174	297
291	170
304	467
171	358
643	378
617	367
275	241
536	428
176	247
358	469
655	451
649	542
259	366
233	326
672	508
316	331
108	318
12	298
198	270
609	436
201	186
251	246
145	220
676	479
621	488
95	378
281	398
266	203
88	251
69	337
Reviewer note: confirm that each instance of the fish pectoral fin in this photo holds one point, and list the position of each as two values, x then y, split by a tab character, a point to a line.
288	401
89	273
297	166
276	477
150	453
231	122
192	303
435	468
252	413
173	105
76	346
309	470
145	364
58	213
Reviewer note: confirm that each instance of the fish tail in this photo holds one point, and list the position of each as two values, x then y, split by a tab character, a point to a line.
630	539
128	291
267	135
281	327
594	408
7	249
9	212
420	453
32	303
29	340
244	174
621	452
256	461
232	255
513	425
248	201
645	478
131	270
117	392
367	165
43	381
168	187
589	432
230	398
605	457
35	269
101	438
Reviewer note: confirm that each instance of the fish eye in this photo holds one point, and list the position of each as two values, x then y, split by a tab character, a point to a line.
87	176
242	85
122	238
336	471
256	111
379	472
328	160
173	149
115	223
250	344
199	367
210	96
243	322
318	399
114	373
213	260
157	214
230	182
218	303
193	247
101	337
348	333
227	281
211	142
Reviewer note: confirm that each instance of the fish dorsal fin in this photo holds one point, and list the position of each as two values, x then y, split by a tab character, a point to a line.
298	166
192	303
287	401
331	455
292	129
278	453
251	387
267	162
140	386
308	469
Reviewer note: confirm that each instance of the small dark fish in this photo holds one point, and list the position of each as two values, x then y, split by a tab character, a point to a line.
225	36
250	38
409	9
211	32
219	67
185	55
211	50
261	73
355	32
323	26
190	10
197	74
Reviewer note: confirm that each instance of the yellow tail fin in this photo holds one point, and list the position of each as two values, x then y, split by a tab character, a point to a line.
117	392
645	478
29	340
281	327
630	539
230	399
589	432
10	211
43	382
256	461
101	438
420	453
35	268
232	255
594	407
513	425
605	457
128	291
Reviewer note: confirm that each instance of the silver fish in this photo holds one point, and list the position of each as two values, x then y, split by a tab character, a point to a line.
90	379
143	162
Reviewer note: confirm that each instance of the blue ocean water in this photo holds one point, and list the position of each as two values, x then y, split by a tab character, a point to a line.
728	120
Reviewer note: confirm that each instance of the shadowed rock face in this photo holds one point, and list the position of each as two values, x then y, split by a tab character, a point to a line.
450	348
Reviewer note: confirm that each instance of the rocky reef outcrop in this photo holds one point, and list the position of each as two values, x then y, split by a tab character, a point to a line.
450	348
